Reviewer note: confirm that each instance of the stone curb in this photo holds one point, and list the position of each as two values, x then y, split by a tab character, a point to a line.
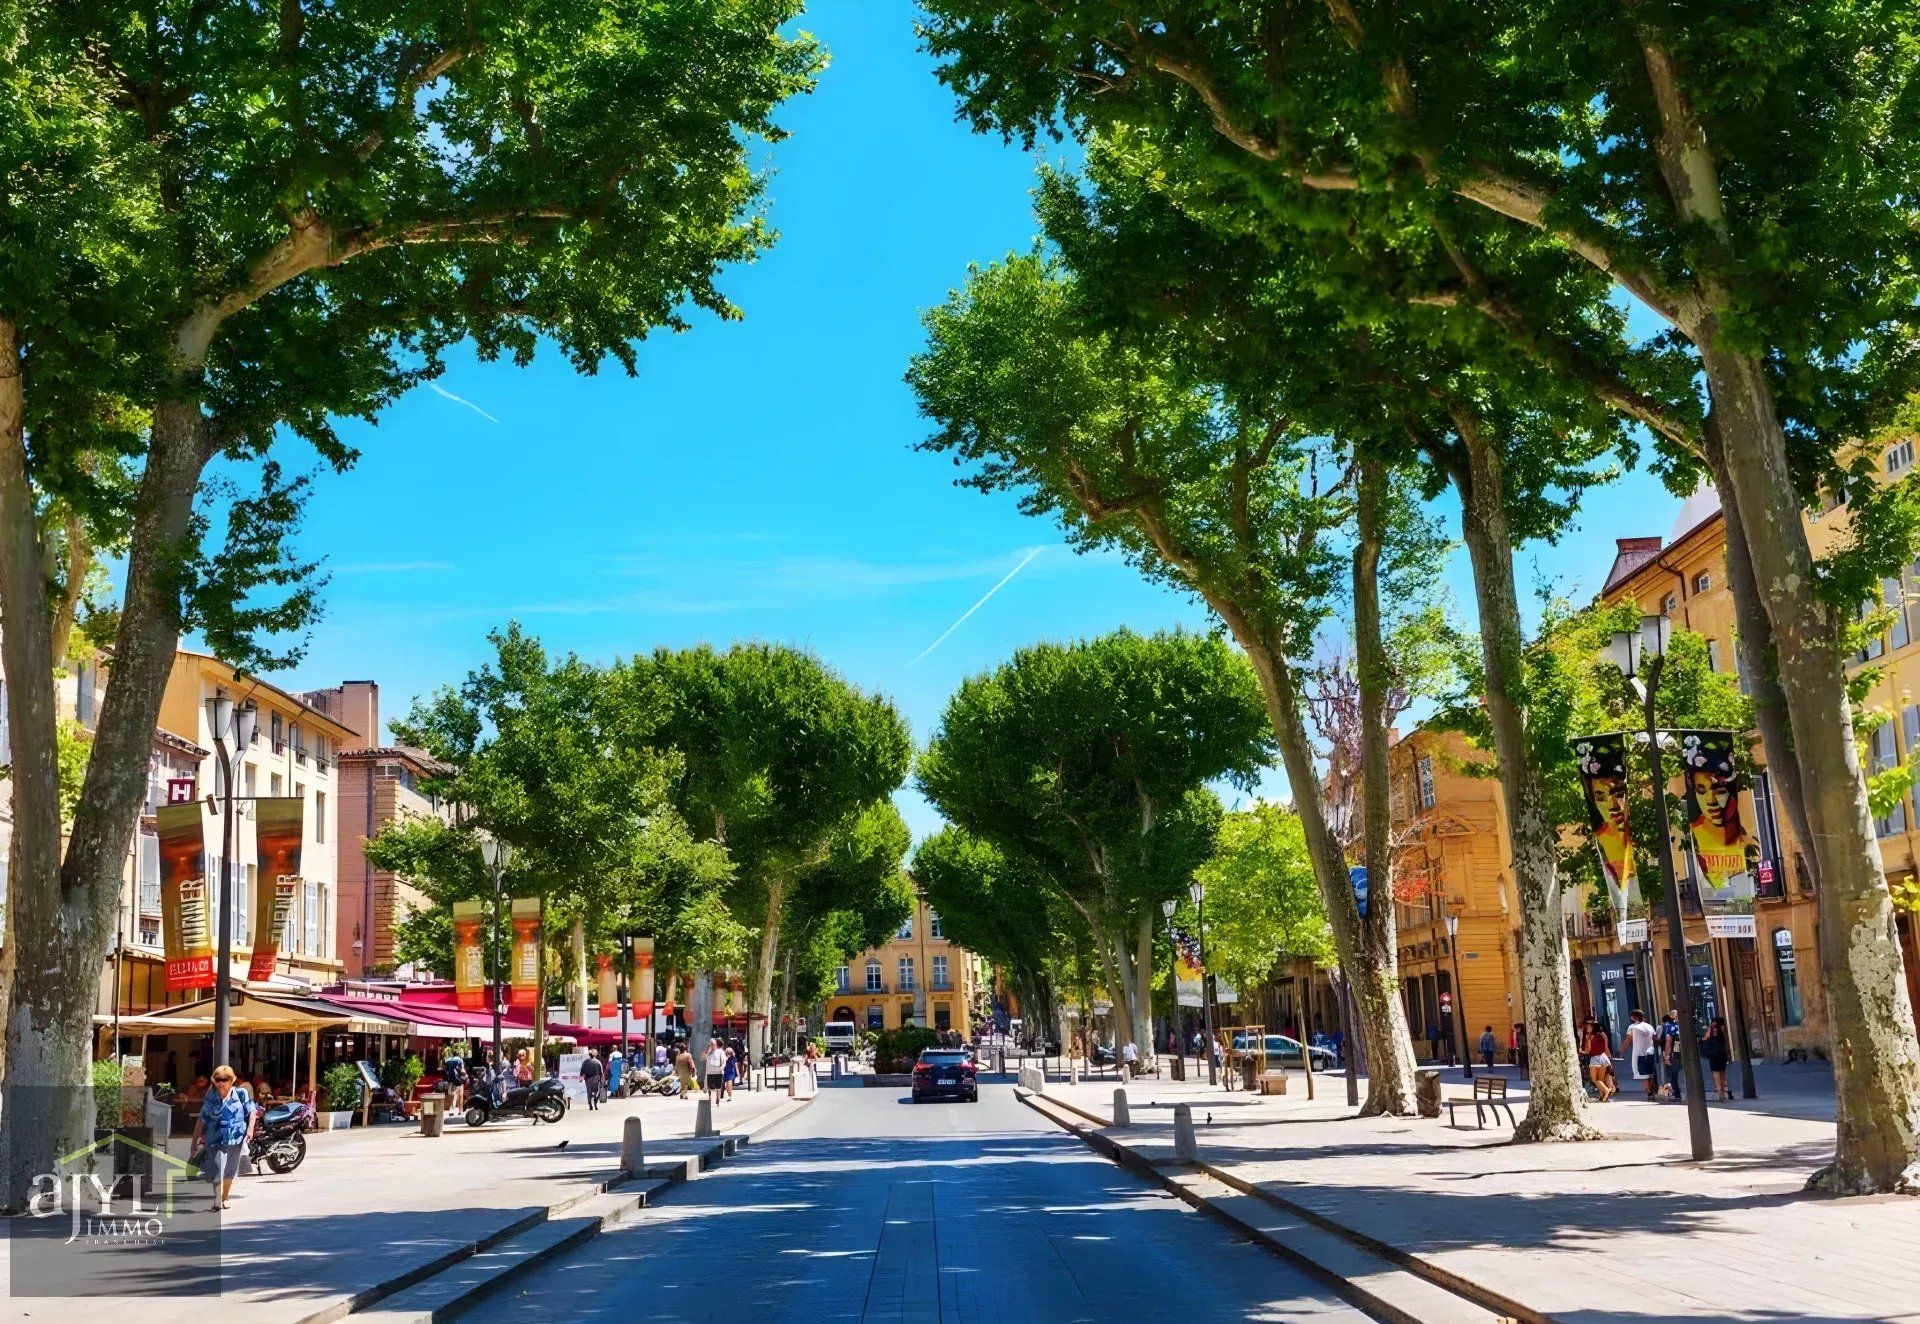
1165	1176
654	1180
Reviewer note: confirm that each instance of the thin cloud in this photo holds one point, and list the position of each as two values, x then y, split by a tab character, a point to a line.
390	567
445	394
978	605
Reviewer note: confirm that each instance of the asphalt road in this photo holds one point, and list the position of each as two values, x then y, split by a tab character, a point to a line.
868	1207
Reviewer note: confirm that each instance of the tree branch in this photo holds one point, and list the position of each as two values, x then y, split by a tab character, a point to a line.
404	94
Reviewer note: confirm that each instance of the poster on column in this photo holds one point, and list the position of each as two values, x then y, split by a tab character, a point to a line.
278	828
642	991
525	989
469	965
184	909
1602	764
609	983
1717	810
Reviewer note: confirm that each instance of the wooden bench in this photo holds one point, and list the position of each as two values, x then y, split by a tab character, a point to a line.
1489	1094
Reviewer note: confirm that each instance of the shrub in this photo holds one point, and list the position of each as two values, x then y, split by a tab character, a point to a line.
401	1074
108	1101
340	1086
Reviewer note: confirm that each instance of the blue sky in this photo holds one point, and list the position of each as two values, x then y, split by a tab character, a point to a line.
756	479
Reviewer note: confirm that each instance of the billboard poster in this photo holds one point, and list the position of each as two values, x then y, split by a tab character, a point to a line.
1602	764
185	906
279	826
469	966
525	986
1716	810
1188	974
642	991
609	988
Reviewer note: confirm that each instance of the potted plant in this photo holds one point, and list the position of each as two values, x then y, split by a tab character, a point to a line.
340	1095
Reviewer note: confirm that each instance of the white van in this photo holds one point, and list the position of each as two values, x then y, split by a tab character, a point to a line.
839	1036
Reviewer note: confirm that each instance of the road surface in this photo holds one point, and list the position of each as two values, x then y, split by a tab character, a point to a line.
868	1207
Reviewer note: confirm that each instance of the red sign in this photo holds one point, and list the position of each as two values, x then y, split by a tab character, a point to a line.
1766	873
179	790
1446	1002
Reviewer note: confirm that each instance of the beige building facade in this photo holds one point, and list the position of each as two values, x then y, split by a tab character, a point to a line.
918	977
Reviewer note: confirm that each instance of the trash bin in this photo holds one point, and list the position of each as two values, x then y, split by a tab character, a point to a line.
433	1114
1249	1073
1426	1092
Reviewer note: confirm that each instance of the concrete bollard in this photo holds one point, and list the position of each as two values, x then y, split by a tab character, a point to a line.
1121	1116
1185	1148
633	1147
1073	1071
703	1119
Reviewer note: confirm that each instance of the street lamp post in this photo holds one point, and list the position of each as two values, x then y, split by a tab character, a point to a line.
1459	1001
1199	894
1628	651
228	721
498	856
1167	908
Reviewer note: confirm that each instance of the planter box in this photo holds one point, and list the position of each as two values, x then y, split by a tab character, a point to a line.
336	1121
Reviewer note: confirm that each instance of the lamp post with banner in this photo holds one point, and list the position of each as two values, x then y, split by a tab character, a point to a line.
1635	652
1179	1067
498	857
1199	895
1459	1003
229	724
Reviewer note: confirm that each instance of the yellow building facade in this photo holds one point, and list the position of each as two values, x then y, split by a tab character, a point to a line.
918	977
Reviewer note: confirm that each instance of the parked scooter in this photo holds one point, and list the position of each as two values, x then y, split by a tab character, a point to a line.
279	1138
659	1080
544	1101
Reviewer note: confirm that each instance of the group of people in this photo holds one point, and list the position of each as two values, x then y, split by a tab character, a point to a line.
1653	1055
494	1078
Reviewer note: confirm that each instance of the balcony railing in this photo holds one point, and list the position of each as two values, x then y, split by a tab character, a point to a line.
941	986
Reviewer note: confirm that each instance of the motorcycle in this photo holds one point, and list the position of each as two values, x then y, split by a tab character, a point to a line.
658	1080
279	1137
544	1101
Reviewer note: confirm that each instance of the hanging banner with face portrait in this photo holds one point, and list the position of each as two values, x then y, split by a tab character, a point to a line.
278	828
469	965
524	990
185	905
1717	810
1602	763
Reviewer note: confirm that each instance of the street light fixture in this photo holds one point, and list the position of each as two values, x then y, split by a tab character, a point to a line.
1459	1002
1199	895
227	722
1167	908
499	856
1634	653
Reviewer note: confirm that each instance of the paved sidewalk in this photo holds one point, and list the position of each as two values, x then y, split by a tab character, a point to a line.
372	1203
1626	1228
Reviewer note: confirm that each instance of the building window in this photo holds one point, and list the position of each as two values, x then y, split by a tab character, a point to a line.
275	785
873	975
933	925
149	874
1424	770
1786	967
279	735
943	1017
876	1018
149	933
1702	582
1896	598
1885	757
310	917
1713	655
843	979
319	815
1876	645
1668	605
939	972
1900	457
906	974
906	928
83	677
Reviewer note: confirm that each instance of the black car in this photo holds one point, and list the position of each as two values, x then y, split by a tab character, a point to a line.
946	1073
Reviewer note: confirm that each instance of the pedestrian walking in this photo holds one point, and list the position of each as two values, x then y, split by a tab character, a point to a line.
1489	1047
226	1125
730	1072
453	1075
1641	1057
593	1074
716	1070
1598	1051
1520	1045
1714	1052
660	1053
1433	1041
683	1068
1130	1058
1667	1044
616	1068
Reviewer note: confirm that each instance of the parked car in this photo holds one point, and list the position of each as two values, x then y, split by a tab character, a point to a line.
1285	1050
946	1073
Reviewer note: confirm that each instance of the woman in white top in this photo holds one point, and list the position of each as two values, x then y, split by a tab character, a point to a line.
716	1070
1640	1052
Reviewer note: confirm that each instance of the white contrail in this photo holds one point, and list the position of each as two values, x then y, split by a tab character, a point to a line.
444	393
978	605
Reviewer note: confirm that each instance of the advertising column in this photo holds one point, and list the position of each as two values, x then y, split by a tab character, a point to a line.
469	966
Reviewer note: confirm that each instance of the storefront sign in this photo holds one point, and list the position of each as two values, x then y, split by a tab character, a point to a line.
571	1080
278	829
525	989
1602	764
609	988
184	905
1730	926
1631	932
469	966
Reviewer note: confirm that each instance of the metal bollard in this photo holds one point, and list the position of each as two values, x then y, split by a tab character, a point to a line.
1185	1148
633	1148
1122	1116
703	1119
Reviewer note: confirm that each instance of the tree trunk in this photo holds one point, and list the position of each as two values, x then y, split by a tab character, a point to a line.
1379	937
760	1004
577	986
700	1009
1143	992
1557	1102
1876	1059
67	919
